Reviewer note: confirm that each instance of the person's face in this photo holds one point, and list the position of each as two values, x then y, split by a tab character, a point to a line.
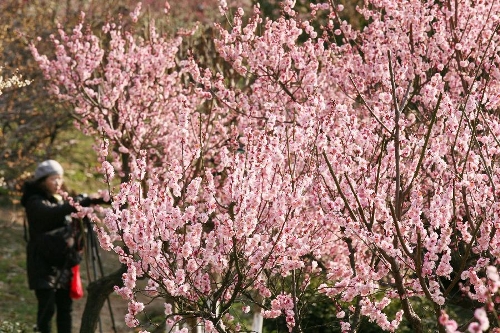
53	183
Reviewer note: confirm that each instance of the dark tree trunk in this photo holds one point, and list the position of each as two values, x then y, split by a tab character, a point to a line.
98	292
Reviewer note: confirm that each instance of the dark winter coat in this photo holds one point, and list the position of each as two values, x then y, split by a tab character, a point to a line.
44	213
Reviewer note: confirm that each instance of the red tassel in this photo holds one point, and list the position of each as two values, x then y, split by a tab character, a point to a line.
75	288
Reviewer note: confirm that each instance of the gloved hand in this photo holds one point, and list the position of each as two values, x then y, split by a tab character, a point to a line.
85	201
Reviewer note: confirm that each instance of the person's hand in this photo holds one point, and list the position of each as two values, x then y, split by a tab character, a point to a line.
83	200
96	199
99	201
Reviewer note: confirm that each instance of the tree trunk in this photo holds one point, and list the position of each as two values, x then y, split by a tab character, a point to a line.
98	292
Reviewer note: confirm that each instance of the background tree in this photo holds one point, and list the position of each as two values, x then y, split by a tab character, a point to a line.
23	130
364	170
34	124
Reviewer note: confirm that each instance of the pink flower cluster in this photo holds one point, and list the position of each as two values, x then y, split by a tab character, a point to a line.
376	157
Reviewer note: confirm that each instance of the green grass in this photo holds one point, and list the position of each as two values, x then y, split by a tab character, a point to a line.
17	302
80	164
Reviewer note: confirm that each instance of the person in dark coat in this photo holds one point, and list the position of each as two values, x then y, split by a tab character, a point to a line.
46	212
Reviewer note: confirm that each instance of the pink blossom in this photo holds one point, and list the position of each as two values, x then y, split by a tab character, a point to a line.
482	318
449	324
108	170
367	156
135	14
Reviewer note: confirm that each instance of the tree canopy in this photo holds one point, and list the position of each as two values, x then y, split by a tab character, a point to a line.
313	156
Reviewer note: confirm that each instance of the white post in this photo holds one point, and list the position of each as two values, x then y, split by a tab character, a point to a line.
258	320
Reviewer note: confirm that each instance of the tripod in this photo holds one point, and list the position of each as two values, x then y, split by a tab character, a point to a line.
93	261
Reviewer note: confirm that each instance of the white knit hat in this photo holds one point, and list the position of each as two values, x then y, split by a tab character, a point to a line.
48	168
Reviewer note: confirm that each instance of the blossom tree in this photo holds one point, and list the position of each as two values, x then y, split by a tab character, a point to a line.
360	164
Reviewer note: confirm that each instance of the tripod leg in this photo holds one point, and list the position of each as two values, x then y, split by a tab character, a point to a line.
97	263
